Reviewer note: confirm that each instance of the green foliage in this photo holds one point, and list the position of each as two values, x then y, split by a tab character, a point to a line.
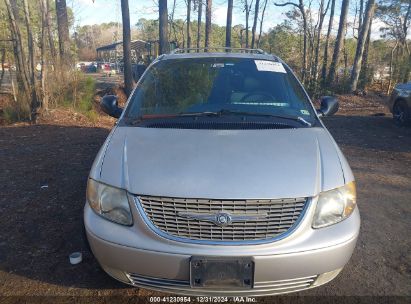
148	29
176	87
283	42
85	95
15	112
10	115
395	14
78	94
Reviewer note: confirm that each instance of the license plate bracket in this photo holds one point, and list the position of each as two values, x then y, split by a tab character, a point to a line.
221	273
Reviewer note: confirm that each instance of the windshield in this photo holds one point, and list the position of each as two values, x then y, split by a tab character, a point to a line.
198	85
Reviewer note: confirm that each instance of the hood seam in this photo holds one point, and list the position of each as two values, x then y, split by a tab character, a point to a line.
110	136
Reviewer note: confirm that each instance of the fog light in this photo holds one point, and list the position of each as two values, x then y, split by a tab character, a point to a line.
326	277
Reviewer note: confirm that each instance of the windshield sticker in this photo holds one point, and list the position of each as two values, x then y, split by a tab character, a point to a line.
305	112
269	66
218	65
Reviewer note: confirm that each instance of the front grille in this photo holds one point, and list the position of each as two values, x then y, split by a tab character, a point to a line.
271	218
259	288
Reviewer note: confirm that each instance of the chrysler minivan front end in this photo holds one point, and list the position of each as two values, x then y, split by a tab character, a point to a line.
220	179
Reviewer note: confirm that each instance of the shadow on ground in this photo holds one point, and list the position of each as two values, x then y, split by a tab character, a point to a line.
369	132
44	173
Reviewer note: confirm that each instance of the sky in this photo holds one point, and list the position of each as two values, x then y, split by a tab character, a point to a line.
88	12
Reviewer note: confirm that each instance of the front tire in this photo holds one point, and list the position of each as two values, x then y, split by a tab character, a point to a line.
401	113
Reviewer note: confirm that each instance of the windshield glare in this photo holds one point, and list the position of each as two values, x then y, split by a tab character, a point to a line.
172	87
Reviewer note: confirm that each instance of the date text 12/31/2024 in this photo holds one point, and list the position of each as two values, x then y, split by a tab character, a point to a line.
183	299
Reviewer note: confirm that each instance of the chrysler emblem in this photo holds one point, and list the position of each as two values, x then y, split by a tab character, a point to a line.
222	219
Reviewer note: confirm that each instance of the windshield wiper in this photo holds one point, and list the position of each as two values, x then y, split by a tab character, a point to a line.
205	113
225	112
182	114
304	121
298	119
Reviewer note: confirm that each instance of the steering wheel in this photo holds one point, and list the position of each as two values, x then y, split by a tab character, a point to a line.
261	93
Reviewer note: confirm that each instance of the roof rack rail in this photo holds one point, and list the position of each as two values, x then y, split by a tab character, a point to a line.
225	49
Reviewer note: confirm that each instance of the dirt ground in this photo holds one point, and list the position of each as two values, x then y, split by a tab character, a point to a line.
43	173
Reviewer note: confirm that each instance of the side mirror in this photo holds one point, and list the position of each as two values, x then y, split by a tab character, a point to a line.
329	106
109	105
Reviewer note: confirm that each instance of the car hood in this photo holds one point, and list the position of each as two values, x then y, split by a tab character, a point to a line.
221	164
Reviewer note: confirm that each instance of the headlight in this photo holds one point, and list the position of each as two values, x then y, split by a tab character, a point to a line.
109	202
335	205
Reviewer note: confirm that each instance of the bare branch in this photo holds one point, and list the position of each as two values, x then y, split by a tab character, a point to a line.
286	3
326	9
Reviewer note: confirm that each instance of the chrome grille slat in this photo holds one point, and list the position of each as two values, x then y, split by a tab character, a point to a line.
281	215
313	277
174	226
269	287
273	213
148	280
236	204
286	284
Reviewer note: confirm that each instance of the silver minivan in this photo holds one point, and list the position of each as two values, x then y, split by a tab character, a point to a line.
219	179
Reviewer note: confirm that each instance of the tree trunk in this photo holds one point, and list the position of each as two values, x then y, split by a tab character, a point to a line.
327	39
406	76
322	13
173	24
3	59
209	4
128	74
229	23
301	8
256	10
362	37
391	69
183	35
247	16
303	14
30	45
261	23
364	77
19	55
360	15
53	52
407	72
43	43
63	28
345	56
34	102
339	41
163	25
188	24
200	12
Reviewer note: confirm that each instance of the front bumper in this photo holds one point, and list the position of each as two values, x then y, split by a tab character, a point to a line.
305	259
